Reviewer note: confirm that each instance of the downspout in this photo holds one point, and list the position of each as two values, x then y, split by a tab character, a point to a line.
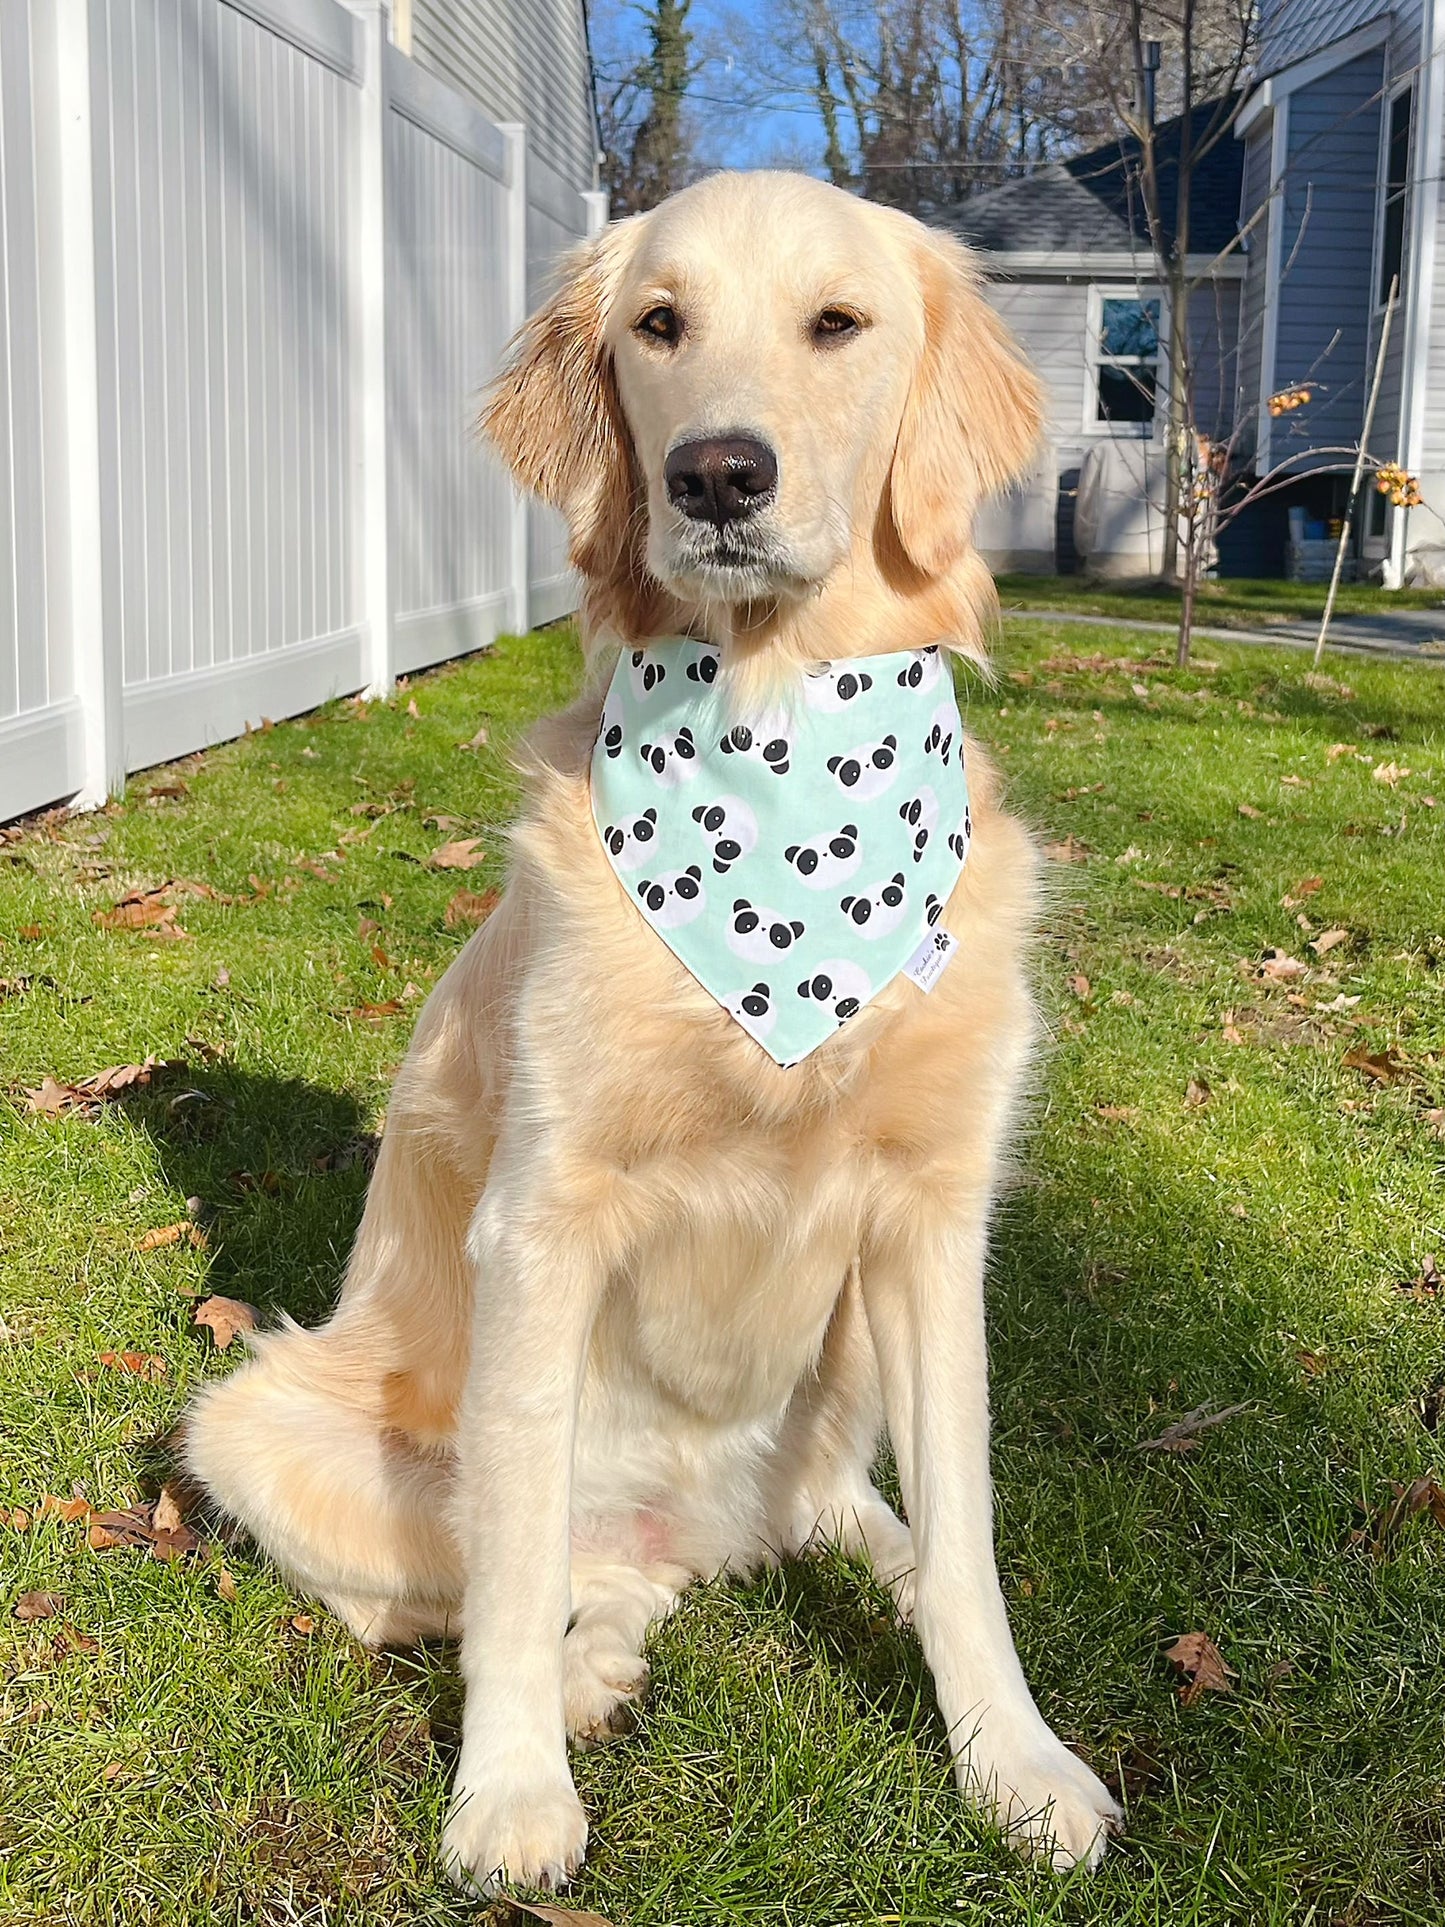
1424	217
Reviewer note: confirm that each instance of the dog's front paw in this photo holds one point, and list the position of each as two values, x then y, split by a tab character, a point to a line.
515	1828
1043	1796
602	1681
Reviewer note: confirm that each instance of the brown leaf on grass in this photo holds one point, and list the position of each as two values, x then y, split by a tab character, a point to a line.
225	1317
52	1506
30	932
1306	887
1197	1093
1381	1067
173	1234
525	1910
479	741
1389	774
87	1094
375	1013
39	1605
1116	1113
1183	1434
166	1514
471	906
167	792
18	1519
143	910
1328	940
135	1528
1280	968
1081	986
1203	1665
1436	1120
1070	850
138	1364
1337	750
1429	1280
1421	1498
226	1585
304	1624
1248	809
463	854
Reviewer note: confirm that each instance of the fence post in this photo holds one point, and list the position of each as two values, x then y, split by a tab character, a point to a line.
515	281
595	199
370	311
95	658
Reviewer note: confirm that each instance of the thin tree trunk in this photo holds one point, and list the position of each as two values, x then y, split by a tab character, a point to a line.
1360	454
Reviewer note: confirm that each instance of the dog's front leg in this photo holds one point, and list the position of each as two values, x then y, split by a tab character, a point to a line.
514	1814
923	1287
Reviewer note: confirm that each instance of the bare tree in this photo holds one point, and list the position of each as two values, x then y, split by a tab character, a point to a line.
643	64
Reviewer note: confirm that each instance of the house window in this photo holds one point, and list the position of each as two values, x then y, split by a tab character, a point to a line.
1396	187
1126	359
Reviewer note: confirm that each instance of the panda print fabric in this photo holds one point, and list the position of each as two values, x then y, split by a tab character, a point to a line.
792	859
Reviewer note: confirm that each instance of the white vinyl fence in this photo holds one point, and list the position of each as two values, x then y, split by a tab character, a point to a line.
254	268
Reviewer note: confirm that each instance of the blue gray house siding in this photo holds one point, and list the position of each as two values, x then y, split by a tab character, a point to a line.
1327	256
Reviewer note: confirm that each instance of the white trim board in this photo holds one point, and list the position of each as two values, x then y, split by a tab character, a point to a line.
42	756
427	636
1303	73
177	714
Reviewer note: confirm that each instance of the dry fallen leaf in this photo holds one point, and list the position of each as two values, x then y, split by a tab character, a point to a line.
139	1364
479	741
1389	774
554	1916
1116	1113
173	1234
226	1585
1429	1281
1081	986
1197	1092
1200	1660
463	854
1436	1120
1070	850
87	1094
1280	968
1381	1067
1183	1434
1422	1497
470	906
226	1317
304	1624
39	1605
136	1528
1248	809
1306	887
68	1510
166	1513
1327	940
375	1013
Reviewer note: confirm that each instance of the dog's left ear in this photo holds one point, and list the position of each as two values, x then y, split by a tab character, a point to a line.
972	417
553	412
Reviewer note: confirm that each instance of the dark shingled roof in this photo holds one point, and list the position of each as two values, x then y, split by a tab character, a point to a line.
1094	203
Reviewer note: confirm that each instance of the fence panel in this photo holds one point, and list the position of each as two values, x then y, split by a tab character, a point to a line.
40	723
222	221
448	180
255	268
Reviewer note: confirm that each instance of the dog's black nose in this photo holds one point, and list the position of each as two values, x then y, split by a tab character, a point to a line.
720	478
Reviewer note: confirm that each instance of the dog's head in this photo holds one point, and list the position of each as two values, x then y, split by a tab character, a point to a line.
732	395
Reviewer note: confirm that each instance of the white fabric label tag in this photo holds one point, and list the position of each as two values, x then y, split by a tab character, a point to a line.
931	959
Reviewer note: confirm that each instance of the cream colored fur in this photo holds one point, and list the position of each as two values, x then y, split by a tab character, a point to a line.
629	1303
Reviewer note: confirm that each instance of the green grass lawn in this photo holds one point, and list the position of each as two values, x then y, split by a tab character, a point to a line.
1223	604
191	1742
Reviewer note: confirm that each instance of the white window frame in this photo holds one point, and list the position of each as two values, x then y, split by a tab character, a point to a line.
1094	359
1378	297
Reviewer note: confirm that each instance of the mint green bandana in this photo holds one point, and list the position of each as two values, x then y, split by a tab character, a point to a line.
794	859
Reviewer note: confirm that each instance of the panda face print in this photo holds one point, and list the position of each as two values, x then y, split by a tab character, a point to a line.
933	908
868	770
766	742
958	840
759	934
754	1009
879	909
629	840
923	670
645	673
704	667
920	813
731	830
674	898
672	758
609	730
839	984
941	732
827	860
831	686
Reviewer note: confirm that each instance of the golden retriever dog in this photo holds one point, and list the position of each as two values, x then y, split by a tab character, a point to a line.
630	1304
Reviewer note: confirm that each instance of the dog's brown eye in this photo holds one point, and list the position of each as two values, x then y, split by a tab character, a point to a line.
661	323
835	324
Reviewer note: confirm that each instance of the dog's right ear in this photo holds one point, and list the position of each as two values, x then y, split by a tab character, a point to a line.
553	412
